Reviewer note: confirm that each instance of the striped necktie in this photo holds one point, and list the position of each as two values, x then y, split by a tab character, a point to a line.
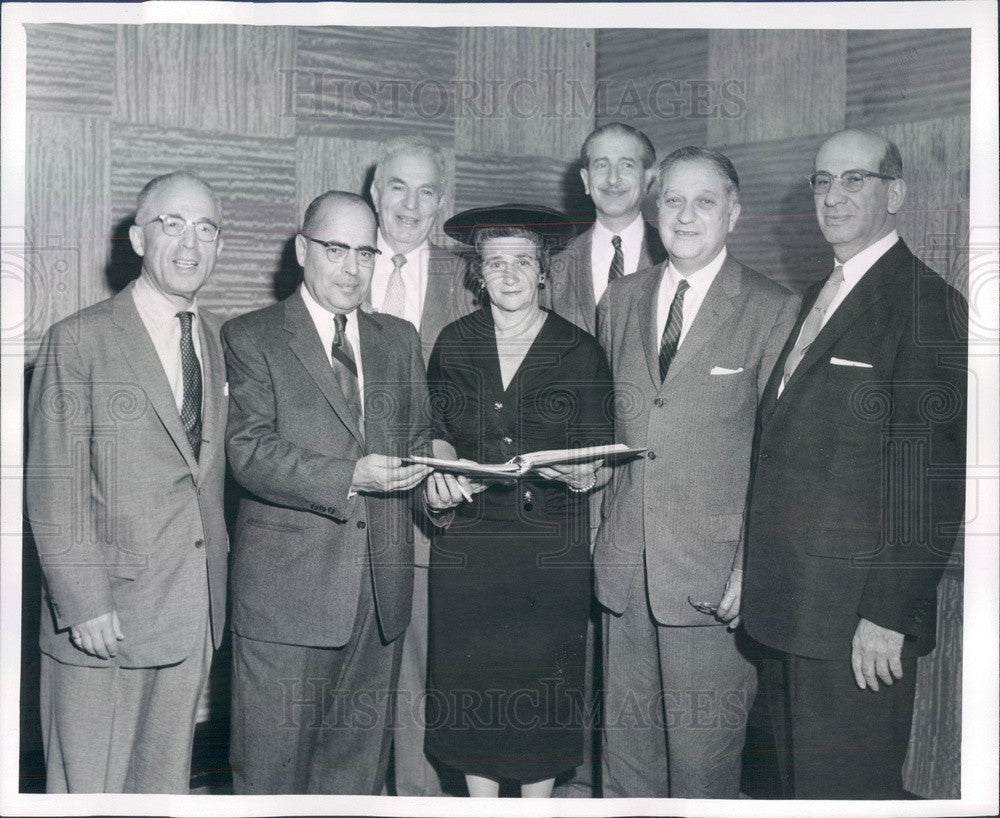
191	371
617	269
672	331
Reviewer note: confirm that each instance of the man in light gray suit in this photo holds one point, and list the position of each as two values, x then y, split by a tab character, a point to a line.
127	414
691	344
423	283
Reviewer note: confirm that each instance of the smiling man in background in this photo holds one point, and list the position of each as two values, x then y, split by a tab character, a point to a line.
124	488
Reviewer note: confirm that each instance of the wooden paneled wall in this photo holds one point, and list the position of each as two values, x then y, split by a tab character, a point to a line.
767	99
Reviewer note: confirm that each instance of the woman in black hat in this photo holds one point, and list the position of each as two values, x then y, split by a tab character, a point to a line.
510	577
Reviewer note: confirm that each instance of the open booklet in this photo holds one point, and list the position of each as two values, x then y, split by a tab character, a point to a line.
523	463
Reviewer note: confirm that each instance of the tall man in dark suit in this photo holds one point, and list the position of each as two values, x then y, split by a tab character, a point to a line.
127	413
691	344
617	169
324	401
859	486
423	283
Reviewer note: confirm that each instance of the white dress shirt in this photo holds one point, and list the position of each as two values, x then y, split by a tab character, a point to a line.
602	252
699	281
323	320
414	274
856	267
159	317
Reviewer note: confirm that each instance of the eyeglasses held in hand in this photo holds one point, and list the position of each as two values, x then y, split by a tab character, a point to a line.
851	180
174	225
710	608
337	251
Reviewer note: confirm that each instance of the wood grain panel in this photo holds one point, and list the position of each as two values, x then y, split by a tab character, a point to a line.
934	221
777	233
70	69
68	219
795	83
493	179
655	81
903	76
373	83
933	767
215	78
255	178
327	163
522	89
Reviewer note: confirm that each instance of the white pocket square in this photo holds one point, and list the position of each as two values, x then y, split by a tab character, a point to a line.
721	370
225	390
845	362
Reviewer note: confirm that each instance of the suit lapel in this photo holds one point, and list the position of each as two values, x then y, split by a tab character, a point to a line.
713	313
147	369
646	310
305	345
215	404
374	359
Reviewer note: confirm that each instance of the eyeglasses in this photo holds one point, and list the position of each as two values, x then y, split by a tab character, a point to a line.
851	180
336	252
710	608
174	225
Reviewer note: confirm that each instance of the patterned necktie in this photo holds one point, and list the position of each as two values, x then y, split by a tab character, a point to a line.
672	331
347	373
814	321
617	269
191	402
394	302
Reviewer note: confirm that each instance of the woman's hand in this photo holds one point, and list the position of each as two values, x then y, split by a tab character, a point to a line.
443	490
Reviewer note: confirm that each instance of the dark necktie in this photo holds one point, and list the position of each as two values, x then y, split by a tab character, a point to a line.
814	322
617	269
347	370
191	402
672	331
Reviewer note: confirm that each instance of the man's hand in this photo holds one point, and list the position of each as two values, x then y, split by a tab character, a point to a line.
875	652
575	475
98	636
381	473
729	605
444	490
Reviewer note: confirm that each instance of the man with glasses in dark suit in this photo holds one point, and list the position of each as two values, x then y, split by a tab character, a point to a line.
858	489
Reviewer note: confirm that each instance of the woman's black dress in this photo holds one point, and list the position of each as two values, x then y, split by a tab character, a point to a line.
510	579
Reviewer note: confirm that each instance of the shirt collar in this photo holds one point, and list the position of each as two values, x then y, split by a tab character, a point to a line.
634	233
700	280
412	258
860	263
155	304
321	316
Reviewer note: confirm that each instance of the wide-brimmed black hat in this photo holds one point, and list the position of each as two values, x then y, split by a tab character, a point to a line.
554	227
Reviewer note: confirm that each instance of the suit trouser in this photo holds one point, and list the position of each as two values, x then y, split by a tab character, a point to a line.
414	773
835	740
111	729
314	719
676	701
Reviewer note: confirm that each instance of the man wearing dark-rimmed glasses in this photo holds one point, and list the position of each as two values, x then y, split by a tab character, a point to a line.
858	487
325	400
124	489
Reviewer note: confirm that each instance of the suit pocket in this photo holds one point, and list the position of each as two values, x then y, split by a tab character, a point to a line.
841	544
727	527
125	572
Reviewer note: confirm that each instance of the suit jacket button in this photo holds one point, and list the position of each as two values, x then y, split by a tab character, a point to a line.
658	402
651	455
507	441
763	455
498	406
199	543
361	523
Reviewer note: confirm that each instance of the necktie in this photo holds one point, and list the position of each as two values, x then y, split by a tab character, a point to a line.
394	302
347	373
814	321
617	269
672	331
191	401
